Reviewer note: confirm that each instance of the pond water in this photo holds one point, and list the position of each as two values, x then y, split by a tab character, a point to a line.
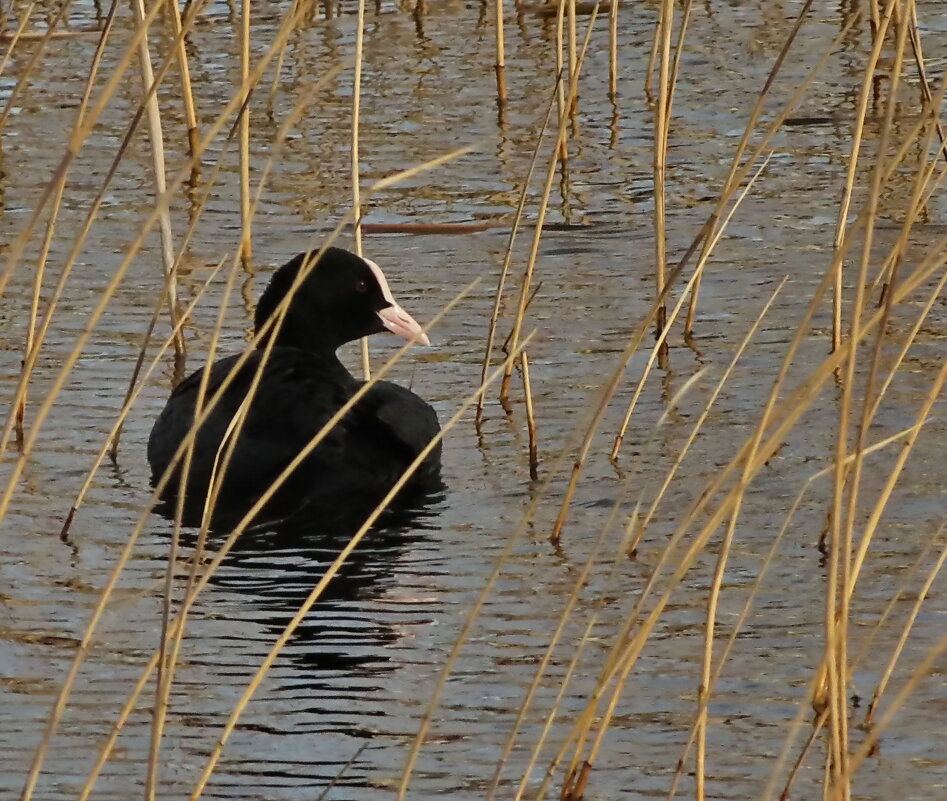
343	702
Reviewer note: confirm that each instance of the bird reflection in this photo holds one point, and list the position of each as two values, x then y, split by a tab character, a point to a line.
273	567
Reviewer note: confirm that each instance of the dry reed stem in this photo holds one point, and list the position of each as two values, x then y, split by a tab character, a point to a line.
737	172
26	71
649	69
356	172
117	278
82	649
611	387
471	618
817	726
238	529
56	203
156	137
784	416
329	574
530	419
342	771
857	133
659	166
562	149
613	51
15	37
662	337
579	585
906	628
840	573
541	212
500	65
573	68
246	219
187	91
508	254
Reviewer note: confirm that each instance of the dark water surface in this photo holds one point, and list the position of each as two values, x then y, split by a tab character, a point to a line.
355	679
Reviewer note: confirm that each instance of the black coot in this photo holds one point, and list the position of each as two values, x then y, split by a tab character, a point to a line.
303	384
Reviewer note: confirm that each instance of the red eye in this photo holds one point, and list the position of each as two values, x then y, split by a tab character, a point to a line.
361	286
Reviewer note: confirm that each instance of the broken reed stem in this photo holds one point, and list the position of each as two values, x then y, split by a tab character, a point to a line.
613	51
508	254
541	214
356	173
530	419
500	66
246	221
187	92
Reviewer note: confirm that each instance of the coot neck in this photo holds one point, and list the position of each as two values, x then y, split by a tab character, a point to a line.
325	354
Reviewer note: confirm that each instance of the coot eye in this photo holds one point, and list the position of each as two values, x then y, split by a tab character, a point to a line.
361	286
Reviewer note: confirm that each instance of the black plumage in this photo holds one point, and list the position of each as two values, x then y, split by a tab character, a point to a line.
303	384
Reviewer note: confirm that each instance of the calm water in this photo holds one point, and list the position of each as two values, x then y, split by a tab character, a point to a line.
355	679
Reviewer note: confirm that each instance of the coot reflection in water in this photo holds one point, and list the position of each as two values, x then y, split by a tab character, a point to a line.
341	654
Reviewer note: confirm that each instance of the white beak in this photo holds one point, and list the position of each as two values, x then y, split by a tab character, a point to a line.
399	322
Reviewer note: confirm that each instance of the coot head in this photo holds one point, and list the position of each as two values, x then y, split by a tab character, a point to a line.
343	298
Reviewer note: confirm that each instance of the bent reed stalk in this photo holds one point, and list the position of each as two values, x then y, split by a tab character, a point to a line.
896	288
